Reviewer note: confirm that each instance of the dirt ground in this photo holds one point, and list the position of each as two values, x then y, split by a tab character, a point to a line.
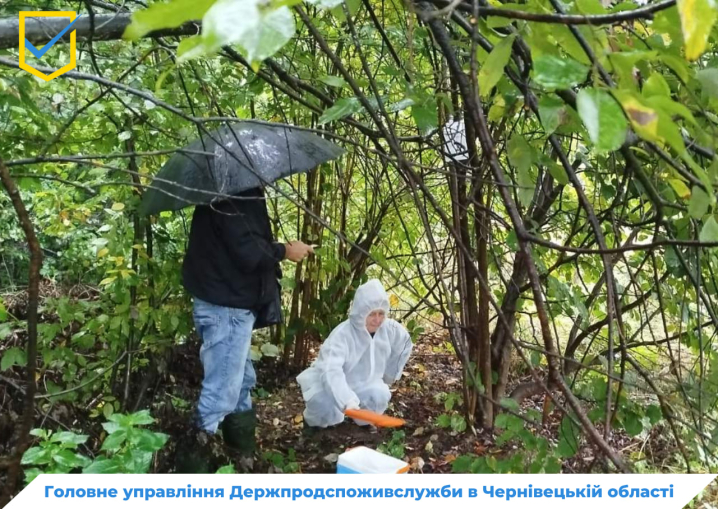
171	388
285	446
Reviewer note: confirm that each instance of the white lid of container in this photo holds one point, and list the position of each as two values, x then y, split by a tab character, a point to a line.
363	459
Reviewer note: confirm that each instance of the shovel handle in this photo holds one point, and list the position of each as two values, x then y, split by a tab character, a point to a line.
380	420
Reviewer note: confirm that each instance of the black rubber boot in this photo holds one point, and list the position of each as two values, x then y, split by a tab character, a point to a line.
238	432
310	431
194	453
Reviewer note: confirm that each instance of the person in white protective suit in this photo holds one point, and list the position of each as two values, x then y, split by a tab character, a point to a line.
356	363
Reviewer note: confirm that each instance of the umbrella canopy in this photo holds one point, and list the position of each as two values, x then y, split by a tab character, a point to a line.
245	155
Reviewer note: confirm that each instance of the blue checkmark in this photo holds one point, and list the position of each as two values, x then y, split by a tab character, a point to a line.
39	53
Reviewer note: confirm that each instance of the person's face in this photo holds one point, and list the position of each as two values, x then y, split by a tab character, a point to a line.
374	320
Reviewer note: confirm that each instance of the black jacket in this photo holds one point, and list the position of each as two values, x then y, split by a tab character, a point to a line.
232	260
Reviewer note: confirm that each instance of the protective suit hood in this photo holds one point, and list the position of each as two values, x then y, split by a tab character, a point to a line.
368	297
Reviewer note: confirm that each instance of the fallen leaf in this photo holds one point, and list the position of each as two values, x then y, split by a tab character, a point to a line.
298	418
434	438
449	458
429	447
331	458
417	463
479	449
275	422
418	432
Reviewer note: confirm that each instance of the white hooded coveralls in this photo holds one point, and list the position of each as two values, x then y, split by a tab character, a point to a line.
353	369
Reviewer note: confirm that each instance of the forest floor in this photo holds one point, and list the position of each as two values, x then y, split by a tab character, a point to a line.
431	374
285	446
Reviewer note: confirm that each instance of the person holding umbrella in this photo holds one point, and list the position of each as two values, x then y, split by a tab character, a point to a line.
231	266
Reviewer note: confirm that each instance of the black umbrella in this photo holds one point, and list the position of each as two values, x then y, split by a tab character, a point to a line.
245	155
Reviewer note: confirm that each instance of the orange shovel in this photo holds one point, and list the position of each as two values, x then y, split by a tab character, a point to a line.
380	420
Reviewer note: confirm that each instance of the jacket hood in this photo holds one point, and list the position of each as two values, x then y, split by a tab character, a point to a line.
368	297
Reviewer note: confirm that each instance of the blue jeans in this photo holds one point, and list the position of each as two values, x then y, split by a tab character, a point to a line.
228	372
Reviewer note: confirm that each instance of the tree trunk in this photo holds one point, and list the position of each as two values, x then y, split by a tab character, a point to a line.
22	431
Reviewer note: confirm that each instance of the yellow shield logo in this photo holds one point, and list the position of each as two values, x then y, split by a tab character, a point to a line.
27	47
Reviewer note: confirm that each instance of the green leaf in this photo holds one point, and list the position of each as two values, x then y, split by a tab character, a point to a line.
458	423
553	466
5	330
624	62
114	441
401	105
102	466
227	469
654	413
697	20
259	30
669	132
462	464
493	68
108	410
509	422
275	30
140	418
498	108
70	459
709	81
569	435
41	433
269	350
3	311
111	427
680	188
656	85
188	48
603	118
558	73
165	15
709	232
520	152
31	474
671	107
552	112
151	441
510	404
590	7
288	283
443	421
340	109
677	65
514	423
13	357
425	116
139	462
700	201
338	11
512	240
68	437
521	156
557	172
643	118
632	424
333	81
36	456
326	4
